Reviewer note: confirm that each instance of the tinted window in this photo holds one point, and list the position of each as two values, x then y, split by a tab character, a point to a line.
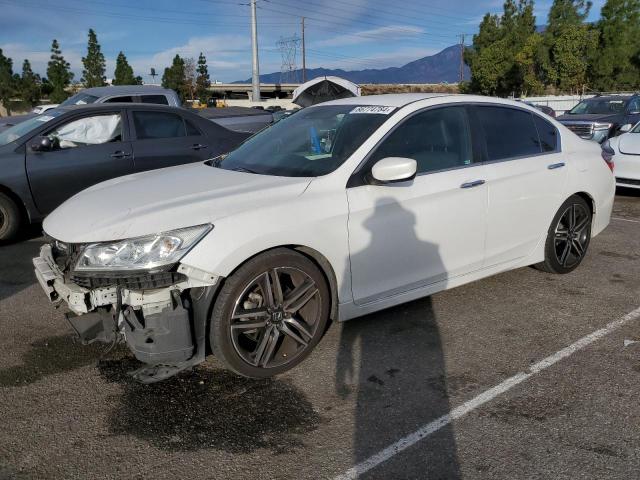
125	99
159	99
547	133
634	105
158	125
192	130
436	139
508	132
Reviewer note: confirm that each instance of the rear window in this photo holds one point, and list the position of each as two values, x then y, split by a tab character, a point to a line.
158	125
508	132
157	99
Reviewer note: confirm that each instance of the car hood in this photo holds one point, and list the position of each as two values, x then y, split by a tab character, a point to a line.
166	199
629	143
592	117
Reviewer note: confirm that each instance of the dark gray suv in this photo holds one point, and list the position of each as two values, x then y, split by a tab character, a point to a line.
601	117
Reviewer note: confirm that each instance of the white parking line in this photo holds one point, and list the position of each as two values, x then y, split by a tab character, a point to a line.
625	219
508	384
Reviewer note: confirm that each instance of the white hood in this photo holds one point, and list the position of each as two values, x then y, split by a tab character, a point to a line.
162	200
629	143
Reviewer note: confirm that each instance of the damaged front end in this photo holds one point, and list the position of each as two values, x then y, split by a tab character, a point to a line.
160	312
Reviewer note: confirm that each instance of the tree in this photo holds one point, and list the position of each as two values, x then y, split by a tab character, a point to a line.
619	28
123	74
7	82
570	55
565	20
59	74
202	81
174	77
492	59
190	74
94	63
29	84
530	69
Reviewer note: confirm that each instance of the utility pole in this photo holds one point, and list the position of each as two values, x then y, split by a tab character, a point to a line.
255	71
304	56
461	58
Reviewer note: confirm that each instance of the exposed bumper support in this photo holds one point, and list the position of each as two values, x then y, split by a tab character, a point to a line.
164	328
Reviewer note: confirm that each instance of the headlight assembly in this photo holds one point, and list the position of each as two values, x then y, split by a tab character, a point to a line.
602	126
141	253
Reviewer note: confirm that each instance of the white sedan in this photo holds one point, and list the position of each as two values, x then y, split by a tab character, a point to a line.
343	209
624	152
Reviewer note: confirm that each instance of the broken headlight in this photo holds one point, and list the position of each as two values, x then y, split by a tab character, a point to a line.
141	253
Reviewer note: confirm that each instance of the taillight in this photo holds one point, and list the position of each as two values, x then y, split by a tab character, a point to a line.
608	153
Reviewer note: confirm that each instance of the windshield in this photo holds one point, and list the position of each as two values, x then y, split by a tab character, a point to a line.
636	129
314	142
23	128
79	99
601	107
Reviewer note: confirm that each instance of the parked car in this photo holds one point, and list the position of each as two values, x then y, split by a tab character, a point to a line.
350	207
601	117
114	94
623	151
53	156
242	119
543	108
43	108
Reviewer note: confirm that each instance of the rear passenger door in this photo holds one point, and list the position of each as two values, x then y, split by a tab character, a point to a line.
526	175
164	139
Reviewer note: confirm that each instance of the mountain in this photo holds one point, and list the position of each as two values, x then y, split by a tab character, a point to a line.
444	66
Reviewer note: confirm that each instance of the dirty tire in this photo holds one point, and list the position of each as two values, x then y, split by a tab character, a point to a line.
260	327
9	218
568	237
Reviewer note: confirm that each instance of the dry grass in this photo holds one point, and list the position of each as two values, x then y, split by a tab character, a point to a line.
377	89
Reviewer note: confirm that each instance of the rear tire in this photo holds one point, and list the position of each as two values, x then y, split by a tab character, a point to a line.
10	218
270	314
568	237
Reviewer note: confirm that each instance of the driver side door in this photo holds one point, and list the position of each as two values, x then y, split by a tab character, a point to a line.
406	236
88	149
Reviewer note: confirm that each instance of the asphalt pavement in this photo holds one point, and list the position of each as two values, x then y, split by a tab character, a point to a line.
423	390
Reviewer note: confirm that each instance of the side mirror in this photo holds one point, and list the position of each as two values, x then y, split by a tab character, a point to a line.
626	128
42	144
394	169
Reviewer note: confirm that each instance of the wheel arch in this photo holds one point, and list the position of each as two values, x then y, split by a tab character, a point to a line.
318	259
24	211
587	198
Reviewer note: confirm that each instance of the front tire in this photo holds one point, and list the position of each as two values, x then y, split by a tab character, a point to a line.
270	314
568	237
9	218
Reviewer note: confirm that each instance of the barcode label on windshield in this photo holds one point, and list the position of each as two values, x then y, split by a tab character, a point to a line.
379	109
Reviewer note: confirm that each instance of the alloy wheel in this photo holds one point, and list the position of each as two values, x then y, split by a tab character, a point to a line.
275	317
571	235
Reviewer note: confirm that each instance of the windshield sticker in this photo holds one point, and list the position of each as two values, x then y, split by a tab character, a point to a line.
44	118
379	109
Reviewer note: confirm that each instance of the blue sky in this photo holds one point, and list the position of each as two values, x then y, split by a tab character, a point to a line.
348	34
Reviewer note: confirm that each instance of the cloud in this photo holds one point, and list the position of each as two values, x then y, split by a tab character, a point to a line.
388	33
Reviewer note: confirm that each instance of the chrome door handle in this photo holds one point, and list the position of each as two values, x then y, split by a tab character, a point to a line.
198	146
475	183
120	154
553	166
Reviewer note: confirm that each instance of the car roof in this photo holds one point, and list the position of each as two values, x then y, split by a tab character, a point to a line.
387	100
124	89
111	105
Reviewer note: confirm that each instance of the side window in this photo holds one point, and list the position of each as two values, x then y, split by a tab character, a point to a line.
547	133
125	99
192	130
436	139
634	105
86	131
158	99
508	132
158	125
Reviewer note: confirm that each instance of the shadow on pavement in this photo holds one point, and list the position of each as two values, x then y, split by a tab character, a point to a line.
391	364
50	356
210	409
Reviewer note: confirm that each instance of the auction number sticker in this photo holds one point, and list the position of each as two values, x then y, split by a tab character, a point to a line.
379	109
